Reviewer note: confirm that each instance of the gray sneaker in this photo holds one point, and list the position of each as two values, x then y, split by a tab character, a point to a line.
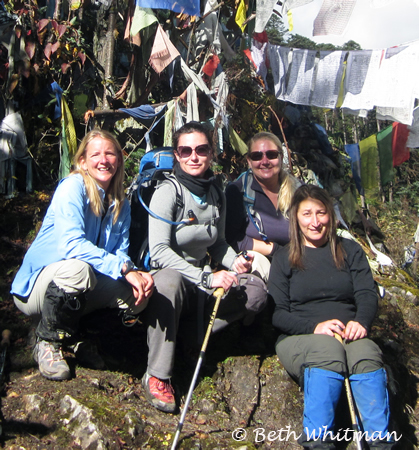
50	359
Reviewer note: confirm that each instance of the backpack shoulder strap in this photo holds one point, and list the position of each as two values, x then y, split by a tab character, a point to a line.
180	202
220	197
249	201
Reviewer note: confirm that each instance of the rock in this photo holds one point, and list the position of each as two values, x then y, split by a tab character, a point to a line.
33	403
81	425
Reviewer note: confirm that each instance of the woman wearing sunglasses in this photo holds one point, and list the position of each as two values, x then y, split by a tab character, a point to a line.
258	202
185	247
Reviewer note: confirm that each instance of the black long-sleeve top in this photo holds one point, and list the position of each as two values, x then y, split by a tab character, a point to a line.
321	292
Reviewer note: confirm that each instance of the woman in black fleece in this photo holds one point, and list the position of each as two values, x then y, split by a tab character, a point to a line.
322	285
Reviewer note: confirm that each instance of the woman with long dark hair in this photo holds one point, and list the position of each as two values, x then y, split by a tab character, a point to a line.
322	286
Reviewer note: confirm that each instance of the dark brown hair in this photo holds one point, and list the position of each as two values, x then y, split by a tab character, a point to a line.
297	246
193	127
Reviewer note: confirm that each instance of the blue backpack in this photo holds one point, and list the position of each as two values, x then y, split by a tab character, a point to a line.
155	167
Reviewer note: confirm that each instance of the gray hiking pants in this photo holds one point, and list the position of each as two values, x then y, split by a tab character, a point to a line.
325	352
162	312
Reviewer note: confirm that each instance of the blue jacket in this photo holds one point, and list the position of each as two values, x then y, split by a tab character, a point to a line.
70	230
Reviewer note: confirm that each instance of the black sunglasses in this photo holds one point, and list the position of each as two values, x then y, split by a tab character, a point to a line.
185	151
270	154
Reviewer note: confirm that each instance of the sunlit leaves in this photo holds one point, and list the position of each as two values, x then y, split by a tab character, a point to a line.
30	48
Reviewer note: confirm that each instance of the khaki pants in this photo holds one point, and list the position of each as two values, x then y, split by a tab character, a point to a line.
296	353
74	277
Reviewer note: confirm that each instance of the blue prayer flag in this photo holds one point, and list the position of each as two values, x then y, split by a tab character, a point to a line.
190	7
355	156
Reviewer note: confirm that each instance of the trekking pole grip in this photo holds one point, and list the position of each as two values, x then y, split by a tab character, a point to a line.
5	337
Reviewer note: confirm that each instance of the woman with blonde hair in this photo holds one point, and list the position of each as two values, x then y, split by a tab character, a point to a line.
79	261
259	200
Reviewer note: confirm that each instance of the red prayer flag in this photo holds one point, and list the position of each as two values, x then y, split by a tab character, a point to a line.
398	143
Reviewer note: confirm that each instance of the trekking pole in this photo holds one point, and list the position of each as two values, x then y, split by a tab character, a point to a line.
4	344
351	404
218	293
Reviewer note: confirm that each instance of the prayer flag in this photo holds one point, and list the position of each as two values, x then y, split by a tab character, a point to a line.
369	159
413	139
385	154
353	151
163	51
190	7
241	15
399	139
333	17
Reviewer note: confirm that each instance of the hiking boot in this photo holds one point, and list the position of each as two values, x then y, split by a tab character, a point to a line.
87	355
50	360
128	319
159	393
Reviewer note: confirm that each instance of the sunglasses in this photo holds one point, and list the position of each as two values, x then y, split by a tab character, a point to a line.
185	151
270	154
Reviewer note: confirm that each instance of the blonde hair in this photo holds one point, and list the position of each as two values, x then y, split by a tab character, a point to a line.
115	193
288	184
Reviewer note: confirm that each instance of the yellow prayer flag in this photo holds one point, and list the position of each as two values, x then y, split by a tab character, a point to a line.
68	125
290	20
341	87
369	162
241	15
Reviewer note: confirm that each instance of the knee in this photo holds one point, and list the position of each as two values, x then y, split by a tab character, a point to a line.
255	291
75	277
363	356
329	354
169	283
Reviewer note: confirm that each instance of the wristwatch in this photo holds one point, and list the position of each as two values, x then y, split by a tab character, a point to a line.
129	267
205	280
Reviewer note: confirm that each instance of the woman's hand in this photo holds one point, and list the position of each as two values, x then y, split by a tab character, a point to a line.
224	279
243	265
330	327
354	331
142	285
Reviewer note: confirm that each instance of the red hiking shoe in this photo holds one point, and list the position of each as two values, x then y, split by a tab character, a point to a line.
159	393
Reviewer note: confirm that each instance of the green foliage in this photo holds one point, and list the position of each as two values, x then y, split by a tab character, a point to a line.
298	41
276	30
406	182
351	45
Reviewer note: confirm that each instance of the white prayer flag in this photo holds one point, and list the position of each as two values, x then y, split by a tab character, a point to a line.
333	17
300	77
361	78
278	58
327	79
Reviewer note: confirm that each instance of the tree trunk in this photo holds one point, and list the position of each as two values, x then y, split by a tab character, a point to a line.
109	52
